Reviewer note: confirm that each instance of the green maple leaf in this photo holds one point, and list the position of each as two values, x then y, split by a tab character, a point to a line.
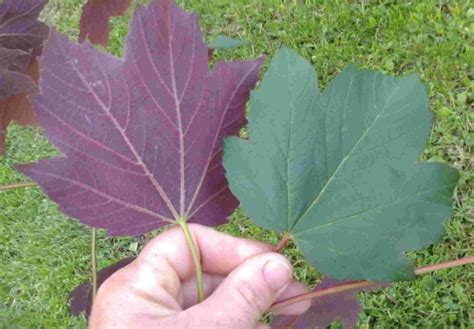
338	171
225	42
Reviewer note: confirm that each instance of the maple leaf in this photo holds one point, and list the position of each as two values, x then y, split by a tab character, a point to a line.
19	25
223	42
142	136
12	62
21	38
341	306
18	107
338	171
20	34
94	22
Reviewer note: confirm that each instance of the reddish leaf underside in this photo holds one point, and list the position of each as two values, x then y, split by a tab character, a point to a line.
21	38
141	137
20	34
19	25
94	22
341	306
18	107
80	299
13	79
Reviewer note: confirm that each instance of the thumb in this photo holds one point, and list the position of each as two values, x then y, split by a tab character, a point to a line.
249	290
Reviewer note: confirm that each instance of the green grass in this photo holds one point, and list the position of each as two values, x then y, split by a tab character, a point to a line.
44	255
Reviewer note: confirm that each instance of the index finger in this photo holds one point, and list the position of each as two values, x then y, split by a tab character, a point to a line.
220	253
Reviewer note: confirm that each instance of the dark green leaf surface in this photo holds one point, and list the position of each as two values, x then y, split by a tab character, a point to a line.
225	42
339	170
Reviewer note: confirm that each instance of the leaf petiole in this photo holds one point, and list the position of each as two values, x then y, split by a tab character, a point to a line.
94	263
282	243
17	185
363	284
196	257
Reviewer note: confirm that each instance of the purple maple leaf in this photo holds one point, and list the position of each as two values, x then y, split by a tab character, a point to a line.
20	33
94	22
19	27
342	306
141	137
21	38
12	81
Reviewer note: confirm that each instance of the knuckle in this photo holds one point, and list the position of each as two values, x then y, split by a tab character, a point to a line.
251	296
115	282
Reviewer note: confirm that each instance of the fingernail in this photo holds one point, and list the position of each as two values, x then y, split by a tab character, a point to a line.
277	273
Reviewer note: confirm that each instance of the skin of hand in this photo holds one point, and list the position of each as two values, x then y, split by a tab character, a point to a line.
242	279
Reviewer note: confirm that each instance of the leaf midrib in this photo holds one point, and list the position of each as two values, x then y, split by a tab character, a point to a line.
182	175
124	136
290	133
397	200
105	195
214	153
341	164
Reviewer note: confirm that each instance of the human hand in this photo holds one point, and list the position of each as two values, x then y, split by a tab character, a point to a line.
242	279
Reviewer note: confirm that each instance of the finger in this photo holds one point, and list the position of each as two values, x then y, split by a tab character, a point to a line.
294	288
220	253
248	291
136	289
166	261
263	326
188	295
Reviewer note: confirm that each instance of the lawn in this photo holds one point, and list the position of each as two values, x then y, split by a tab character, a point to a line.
44	254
